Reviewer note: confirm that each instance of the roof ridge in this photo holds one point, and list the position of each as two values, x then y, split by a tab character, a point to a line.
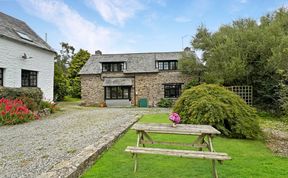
161	52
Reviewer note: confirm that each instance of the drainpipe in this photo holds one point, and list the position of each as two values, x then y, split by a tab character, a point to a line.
135	104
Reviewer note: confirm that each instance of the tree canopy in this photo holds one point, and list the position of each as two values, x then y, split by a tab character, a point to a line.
66	68
78	61
247	52
61	63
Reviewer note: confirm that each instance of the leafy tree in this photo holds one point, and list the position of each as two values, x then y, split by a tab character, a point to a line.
78	61
66	53
61	62
247	53
191	64
60	83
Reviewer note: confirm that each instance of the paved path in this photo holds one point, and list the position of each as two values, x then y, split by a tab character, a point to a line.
29	149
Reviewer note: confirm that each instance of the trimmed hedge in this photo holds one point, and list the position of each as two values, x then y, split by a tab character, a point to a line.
165	103
219	107
25	92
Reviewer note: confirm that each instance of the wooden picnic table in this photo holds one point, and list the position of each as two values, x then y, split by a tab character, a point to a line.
204	137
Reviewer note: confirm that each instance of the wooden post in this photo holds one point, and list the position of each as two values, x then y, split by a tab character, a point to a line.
142	139
136	156
201	140
210	146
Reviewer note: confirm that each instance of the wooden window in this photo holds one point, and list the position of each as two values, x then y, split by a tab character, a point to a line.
112	67
167	65
29	78
1	76
172	90
118	92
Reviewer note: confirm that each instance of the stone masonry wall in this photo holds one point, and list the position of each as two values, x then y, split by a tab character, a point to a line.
148	85
92	91
151	86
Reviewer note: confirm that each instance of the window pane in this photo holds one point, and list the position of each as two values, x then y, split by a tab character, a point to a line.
29	78
172	90
126	93
173	65
117	92
108	93
120	93
105	68
25	78
121	66
160	65
166	65
113	67
33	79
114	92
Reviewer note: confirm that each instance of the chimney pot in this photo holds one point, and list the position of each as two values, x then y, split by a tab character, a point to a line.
98	53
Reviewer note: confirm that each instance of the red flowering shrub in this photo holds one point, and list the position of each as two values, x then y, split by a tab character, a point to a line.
29	103
14	112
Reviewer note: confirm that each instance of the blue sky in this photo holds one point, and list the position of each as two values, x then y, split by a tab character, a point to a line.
119	26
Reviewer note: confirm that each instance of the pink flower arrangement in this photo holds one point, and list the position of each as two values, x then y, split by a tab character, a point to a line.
175	118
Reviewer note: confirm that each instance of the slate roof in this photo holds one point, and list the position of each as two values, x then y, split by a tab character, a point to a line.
135	62
9	26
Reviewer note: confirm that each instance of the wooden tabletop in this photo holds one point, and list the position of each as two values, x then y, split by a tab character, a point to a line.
185	129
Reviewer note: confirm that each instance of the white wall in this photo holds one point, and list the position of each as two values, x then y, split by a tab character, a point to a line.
42	61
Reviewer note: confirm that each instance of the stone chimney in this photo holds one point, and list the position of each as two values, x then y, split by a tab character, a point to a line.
98	53
187	49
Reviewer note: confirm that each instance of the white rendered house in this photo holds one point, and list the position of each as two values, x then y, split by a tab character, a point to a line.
25	59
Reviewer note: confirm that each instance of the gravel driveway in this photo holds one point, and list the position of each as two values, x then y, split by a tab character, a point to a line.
29	149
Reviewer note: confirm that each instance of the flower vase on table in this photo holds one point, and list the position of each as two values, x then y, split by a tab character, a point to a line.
175	118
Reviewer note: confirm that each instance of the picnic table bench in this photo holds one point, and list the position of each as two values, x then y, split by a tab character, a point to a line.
204	135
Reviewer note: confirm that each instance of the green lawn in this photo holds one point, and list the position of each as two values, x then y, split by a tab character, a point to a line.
249	159
71	99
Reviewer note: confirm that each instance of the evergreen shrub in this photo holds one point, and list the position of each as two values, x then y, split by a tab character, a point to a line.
165	103
214	105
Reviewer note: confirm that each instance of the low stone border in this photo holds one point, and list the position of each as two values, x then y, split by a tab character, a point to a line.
74	167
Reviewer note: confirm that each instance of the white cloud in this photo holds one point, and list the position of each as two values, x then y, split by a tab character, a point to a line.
116	12
182	19
77	30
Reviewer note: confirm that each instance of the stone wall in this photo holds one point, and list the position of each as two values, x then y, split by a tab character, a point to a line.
148	85
151	86
92	90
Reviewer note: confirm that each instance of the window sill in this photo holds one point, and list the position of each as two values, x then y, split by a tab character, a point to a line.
175	98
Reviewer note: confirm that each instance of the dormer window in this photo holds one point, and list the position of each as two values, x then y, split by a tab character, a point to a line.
167	65
112	66
24	36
